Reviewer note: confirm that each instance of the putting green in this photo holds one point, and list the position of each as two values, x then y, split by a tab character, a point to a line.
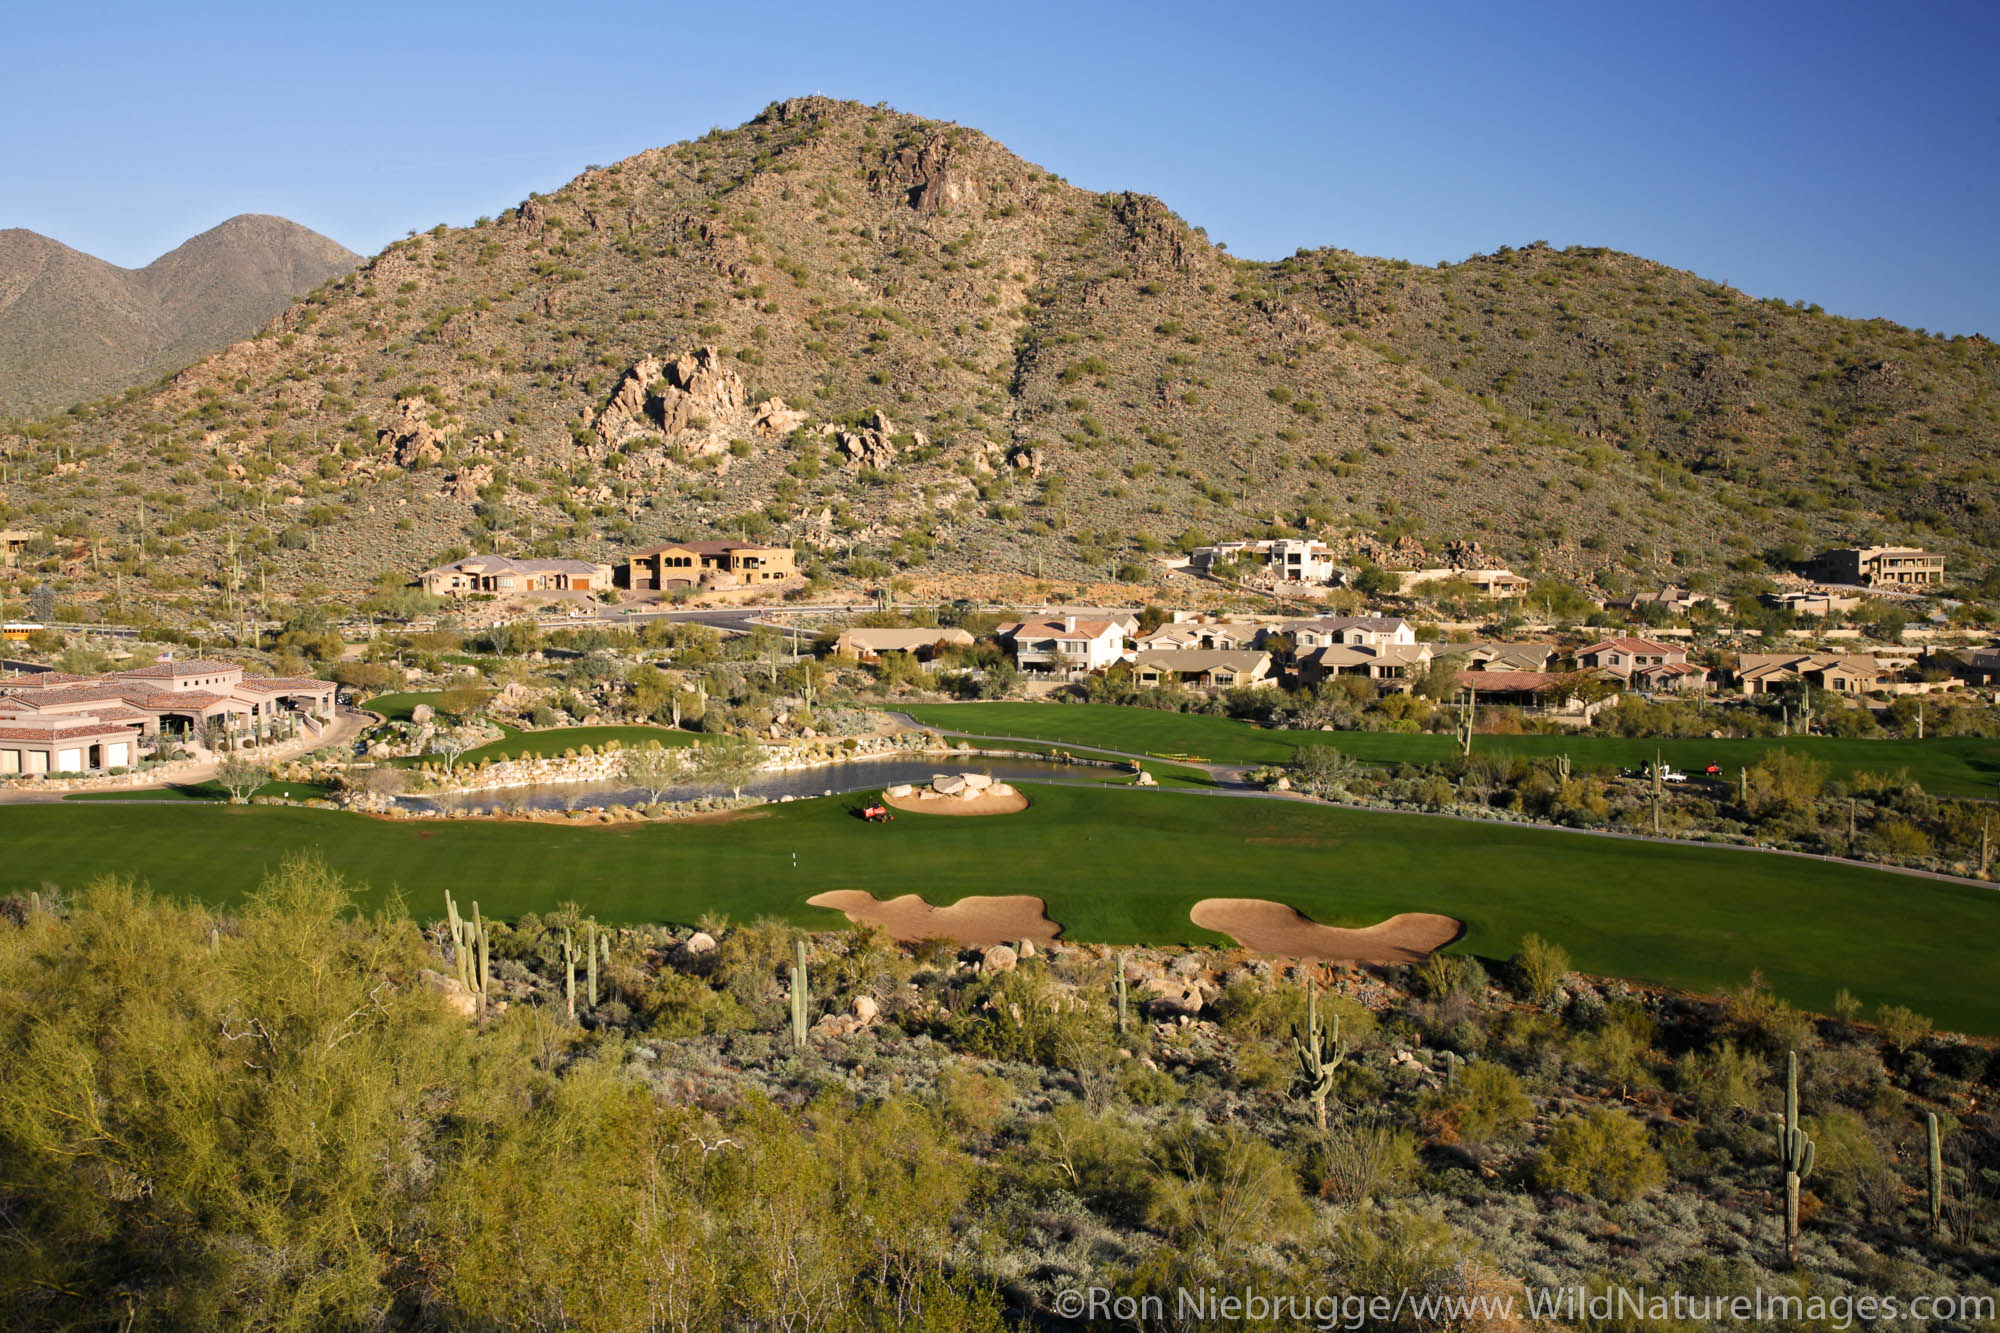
1115	865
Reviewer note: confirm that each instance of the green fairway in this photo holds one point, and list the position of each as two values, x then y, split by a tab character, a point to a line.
1951	766
546	744
207	791
1121	866
397	707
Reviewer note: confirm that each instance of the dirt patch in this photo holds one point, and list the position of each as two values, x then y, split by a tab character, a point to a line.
1268	927
1009	802
978	921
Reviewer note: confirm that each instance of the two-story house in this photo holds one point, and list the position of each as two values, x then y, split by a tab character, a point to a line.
1350	631
1623	656
1068	646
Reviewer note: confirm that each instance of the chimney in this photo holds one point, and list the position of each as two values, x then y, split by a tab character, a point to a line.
1069	624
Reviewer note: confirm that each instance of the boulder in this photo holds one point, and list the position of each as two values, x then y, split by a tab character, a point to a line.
865	1009
422	715
771	418
1026	948
1170	999
977	782
452	991
947	784
999	958
1145	779
699	943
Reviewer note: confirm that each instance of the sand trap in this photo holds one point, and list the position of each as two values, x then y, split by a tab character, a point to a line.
926	802
980	921
1268	927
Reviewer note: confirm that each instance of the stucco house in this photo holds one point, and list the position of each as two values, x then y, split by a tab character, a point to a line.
867	644
709	564
1878	567
1364	631
1067	646
506	574
1623	655
1391	665
55	722
1197	634
1840	673
1203	668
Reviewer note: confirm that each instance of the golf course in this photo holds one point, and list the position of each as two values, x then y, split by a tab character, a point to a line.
1115	865
1946	766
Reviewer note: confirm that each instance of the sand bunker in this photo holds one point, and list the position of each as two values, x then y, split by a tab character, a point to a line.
957	794
979	921
1268	927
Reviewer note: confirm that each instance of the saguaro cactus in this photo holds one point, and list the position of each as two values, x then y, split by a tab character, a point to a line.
1936	1173
1122	989
590	951
485	978
1795	1155
569	973
1320	1055
799	983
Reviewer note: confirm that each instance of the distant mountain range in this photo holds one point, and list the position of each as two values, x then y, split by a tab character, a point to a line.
902	347
73	327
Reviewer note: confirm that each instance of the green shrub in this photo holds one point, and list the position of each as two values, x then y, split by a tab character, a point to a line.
1483	1103
1539	969
1605	1155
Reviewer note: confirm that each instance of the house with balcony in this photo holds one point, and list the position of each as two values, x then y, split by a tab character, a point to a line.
1284	559
1067	646
1392	666
1878	567
709	565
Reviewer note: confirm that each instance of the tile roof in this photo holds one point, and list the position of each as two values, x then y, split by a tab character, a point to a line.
176	670
1625	643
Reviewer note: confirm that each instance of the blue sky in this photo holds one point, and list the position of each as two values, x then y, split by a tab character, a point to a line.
1840	153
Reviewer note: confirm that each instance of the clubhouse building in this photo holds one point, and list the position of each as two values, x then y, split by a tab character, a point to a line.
51	722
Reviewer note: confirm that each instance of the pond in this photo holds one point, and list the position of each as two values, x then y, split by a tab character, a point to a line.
825	780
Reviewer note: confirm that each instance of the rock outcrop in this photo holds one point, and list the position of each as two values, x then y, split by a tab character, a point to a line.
412	441
872	445
695	405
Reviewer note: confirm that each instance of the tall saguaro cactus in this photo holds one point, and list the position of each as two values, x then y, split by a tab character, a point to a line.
1936	1174
1122	989
1795	1155
1319	1053
799	983
569	972
590	950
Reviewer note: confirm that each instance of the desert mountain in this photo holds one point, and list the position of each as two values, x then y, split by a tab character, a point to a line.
73	327
896	343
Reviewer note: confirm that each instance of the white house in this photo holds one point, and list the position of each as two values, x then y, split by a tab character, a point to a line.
1066	646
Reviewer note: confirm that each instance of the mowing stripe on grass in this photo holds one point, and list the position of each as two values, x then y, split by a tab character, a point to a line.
1118	866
